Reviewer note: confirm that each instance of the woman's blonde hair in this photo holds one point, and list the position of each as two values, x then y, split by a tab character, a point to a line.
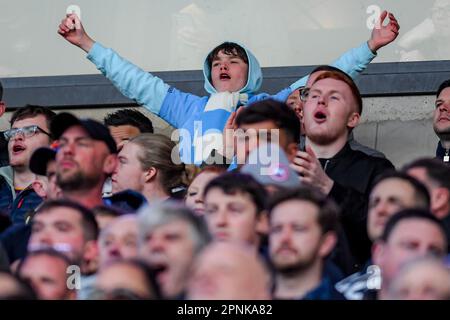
157	151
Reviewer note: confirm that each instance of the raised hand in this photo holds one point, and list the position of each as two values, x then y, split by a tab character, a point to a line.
229	142
72	30
383	35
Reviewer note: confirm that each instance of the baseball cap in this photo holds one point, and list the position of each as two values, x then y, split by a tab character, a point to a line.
39	160
269	165
128	201
95	129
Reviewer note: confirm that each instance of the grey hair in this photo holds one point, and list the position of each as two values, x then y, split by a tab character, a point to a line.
162	213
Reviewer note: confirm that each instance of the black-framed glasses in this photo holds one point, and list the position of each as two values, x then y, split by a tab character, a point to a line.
27	132
304	93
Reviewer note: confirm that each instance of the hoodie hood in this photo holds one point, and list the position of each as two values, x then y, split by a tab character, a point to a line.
254	78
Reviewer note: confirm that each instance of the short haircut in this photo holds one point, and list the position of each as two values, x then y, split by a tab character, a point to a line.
88	222
149	276
230	49
44	252
325	67
154	216
156	151
328	211
421	194
107	211
275	111
442	86
130	117
436	171
231	183
409	214
340	75
31	111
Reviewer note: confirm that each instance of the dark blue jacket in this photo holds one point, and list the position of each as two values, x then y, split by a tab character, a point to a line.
16	206
441	153
325	291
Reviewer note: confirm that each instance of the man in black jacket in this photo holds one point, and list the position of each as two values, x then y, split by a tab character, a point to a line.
332	109
441	122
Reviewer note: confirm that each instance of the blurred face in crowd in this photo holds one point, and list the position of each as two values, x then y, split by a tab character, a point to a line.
122	134
441	119
233	217
440	196
119	240
295	103
228	73
11	288
194	196
45	186
47	274
82	162
249	135
226	271
426	280
387	198
411	238
53	190
61	229
20	147
129	173
296	241
170	249
122	280
329	111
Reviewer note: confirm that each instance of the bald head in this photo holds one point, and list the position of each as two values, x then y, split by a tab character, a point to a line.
228	271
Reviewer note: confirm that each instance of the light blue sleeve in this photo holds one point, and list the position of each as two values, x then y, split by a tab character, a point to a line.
130	80
352	62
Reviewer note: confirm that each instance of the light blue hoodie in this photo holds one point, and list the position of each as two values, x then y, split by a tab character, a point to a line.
199	120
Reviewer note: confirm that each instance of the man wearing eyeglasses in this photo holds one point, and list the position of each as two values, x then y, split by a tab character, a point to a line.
29	131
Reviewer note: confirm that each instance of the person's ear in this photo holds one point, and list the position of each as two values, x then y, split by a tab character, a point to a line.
110	164
353	120
291	151
39	188
440	199
2	108
378	250
90	254
262	223
329	241
150	174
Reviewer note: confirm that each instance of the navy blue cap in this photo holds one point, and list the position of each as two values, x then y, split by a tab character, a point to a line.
95	129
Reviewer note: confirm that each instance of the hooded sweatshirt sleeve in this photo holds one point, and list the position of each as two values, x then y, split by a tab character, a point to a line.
352	62
143	87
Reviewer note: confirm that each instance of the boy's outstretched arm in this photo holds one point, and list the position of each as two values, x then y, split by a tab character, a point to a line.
383	35
130	80
357	59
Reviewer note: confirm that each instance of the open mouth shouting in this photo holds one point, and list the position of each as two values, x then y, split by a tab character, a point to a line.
18	149
224	77
320	116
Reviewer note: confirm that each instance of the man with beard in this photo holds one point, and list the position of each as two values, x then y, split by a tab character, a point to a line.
331	111
303	228
441	122
86	157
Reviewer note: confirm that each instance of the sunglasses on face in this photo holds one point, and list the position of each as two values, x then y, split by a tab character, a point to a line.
27	132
